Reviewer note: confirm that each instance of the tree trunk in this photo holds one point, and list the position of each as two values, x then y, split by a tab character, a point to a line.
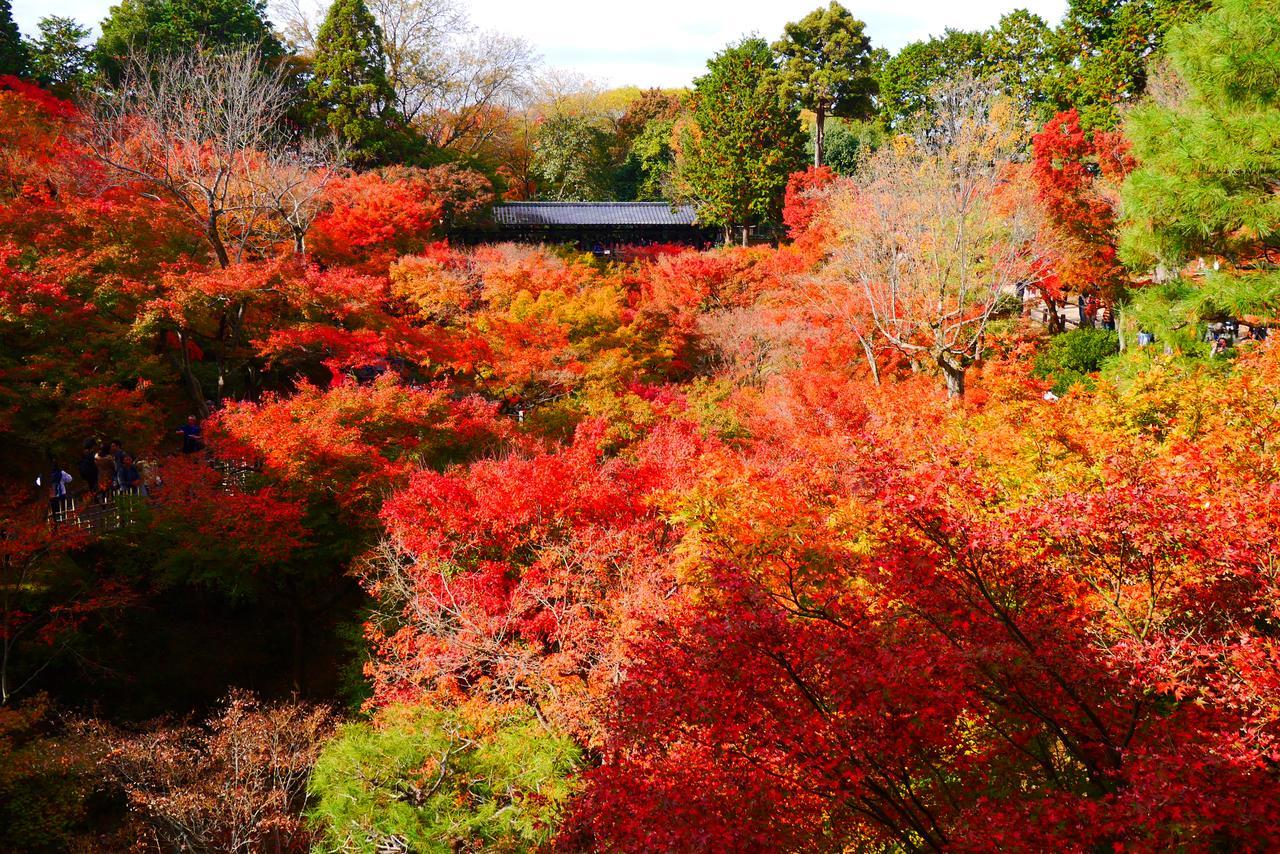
869	351
193	382
953	373
1052	320
819	135
298	619
215	241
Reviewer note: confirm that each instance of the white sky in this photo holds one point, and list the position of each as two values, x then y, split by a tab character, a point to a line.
659	42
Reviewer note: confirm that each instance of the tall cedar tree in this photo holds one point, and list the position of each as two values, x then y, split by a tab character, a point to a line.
13	53
746	140
350	86
826	65
1214	192
175	27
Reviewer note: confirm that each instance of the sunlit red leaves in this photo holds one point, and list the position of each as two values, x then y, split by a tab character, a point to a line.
521	576
352	441
904	633
465	196
27	297
261	525
371	221
1070	168
803	200
34	148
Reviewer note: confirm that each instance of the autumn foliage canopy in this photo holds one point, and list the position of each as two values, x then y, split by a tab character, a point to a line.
773	548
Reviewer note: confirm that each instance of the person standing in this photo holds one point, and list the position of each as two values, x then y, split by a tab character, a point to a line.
192	437
88	468
106	465
131	477
117	452
58	480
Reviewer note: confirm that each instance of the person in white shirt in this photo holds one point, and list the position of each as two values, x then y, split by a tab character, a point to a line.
58	480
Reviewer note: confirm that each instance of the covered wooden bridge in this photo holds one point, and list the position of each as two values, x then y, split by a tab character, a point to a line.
599	227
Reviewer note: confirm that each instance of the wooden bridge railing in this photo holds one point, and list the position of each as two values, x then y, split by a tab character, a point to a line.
120	507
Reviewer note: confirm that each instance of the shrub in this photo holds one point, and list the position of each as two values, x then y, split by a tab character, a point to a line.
48	777
237	784
1071	357
428	779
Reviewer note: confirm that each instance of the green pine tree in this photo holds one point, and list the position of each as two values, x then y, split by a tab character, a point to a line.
1210	161
350	88
746	140
1209	155
14	58
505	787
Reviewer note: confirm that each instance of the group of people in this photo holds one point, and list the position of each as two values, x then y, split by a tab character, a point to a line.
1095	313
1230	333
106	469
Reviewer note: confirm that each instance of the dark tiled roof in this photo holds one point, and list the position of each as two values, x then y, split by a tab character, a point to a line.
573	214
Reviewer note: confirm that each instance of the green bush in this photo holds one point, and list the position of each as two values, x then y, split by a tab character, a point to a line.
425	779
1007	305
1071	357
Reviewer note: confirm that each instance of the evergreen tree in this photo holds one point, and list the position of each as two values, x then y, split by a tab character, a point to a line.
571	160
906	81
13	53
826	64
745	141
60	57
350	87
1210	156
173	27
1105	49
504	783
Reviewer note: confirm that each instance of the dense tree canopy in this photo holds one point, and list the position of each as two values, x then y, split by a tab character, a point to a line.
843	541
571	159
176	27
1021	54
1077	176
826	65
743	142
1106	48
907	79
